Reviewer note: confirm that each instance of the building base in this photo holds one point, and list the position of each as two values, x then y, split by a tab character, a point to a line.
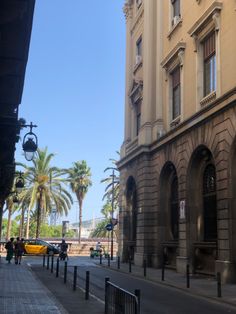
181	264
227	270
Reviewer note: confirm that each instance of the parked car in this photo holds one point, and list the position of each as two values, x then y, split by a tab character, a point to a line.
37	246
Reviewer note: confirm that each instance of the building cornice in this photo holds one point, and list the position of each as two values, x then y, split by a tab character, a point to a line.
215	8
220	104
174	53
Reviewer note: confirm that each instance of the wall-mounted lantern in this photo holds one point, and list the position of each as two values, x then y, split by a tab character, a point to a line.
30	142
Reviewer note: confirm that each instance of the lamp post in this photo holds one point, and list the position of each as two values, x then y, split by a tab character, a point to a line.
112	214
30	142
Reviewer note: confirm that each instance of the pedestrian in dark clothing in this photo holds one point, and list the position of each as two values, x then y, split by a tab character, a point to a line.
10	250
19	250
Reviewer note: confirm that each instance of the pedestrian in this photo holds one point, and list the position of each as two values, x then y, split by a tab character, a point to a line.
17	248
98	247
63	250
10	250
20	250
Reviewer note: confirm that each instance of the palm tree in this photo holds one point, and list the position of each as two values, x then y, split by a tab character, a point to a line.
112	185
11	207
45	189
79	177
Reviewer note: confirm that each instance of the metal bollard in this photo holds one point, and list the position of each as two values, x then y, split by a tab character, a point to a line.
130	267
106	294
57	269
75	278
65	272
109	260
137	293
187	276
48	261
118	262
44	261
87	286
144	268
100	258
218	285
163	271
52	263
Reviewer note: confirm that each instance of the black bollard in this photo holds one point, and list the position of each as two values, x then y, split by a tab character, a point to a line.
44	261
130	265
108	260
163	271
118	262
57	269
65	272
75	278
218	285
48	261
144	268
52	263
100	258
106	294
87	286
187	276
137	293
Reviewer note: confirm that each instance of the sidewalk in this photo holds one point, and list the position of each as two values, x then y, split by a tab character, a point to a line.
199	285
22	292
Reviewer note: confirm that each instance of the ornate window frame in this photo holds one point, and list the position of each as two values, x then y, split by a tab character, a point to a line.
209	22
173	60
136	98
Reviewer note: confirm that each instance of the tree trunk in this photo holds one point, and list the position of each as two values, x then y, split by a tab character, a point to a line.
2	202
27	224
21	230
9	224
38	227
80	218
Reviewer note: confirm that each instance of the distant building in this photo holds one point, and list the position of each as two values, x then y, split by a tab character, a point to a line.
87	226
177	167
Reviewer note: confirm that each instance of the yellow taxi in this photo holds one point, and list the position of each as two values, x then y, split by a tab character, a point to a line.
37	246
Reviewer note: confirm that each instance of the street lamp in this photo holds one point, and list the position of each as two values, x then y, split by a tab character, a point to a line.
20	183
30	142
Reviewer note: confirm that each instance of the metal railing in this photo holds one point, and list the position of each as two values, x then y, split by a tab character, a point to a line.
120	301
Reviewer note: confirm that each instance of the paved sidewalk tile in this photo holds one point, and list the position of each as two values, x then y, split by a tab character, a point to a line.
22	293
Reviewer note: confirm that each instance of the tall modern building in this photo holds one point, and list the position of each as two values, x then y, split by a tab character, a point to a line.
177	166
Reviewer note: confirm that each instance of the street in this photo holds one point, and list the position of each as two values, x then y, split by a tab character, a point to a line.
155	297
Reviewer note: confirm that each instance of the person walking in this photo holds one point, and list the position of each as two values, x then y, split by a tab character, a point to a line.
63	250
20	250
17	248
10	250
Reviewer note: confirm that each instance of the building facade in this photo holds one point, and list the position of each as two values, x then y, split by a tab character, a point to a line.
177	173
16	18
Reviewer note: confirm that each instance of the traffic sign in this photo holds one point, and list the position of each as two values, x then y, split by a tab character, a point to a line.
109	227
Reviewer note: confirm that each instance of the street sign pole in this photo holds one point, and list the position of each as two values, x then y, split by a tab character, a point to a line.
112	213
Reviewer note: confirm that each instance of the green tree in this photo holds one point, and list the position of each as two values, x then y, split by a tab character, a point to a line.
45	188
79	177
112	182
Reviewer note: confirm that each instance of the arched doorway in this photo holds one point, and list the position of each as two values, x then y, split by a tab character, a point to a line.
169	214
202	201
130	220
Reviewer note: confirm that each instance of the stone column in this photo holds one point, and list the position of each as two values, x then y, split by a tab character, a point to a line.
128	76
149	72
158	129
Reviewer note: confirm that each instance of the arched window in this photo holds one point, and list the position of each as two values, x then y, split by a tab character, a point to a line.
209	203
174	208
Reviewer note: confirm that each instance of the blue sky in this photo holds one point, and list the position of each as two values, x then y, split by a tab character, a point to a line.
74	86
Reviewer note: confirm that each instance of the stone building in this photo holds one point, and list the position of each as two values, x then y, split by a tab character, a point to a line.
177	166
16	18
